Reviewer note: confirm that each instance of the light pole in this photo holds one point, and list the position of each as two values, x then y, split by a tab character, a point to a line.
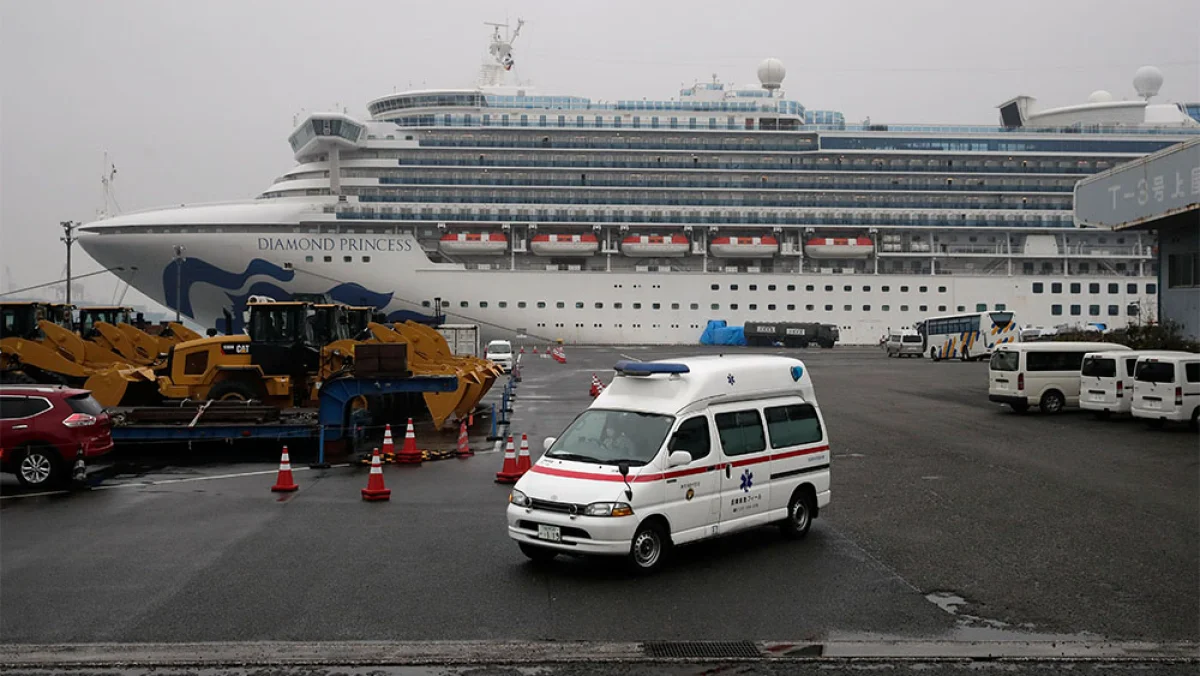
179	259
68	238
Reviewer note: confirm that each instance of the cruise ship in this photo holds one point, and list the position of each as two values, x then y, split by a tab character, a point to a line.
638	221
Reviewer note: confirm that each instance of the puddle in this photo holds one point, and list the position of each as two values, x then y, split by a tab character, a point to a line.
976	628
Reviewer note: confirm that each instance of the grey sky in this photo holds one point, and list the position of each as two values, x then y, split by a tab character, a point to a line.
194	100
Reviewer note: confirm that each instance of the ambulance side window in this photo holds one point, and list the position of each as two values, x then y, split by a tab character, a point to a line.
793	425
692	436
741	432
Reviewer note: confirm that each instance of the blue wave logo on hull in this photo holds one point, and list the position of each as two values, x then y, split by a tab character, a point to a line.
197	271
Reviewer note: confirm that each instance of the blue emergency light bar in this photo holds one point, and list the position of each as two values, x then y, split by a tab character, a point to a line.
645	368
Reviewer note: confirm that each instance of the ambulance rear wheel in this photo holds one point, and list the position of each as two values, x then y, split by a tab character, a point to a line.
799	518
537	554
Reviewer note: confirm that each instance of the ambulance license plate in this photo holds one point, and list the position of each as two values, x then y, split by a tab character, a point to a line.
1152	404
551	533
1097	397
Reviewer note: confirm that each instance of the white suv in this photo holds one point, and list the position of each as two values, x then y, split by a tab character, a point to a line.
500	352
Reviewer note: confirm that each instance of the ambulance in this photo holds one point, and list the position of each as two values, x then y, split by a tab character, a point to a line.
677	451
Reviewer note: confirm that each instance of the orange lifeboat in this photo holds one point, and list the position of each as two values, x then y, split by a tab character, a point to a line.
564	245
839	247
474	243
654	246
744	247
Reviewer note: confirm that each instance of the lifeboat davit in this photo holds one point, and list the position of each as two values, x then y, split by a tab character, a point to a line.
839	247
653	246
744	247
564	245
474	243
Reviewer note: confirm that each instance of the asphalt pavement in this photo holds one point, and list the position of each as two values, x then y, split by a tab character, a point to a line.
952	520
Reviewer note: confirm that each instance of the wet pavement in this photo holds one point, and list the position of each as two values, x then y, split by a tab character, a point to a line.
952	520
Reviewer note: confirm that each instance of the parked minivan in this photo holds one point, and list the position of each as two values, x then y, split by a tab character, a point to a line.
1167	388
1106	380
678	451
1042	374
904	345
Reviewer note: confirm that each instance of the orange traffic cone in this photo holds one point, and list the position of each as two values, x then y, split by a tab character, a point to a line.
595	388
535	349
389	446
523	350
524	462
464	446
375	490
409	454
284	482
508	473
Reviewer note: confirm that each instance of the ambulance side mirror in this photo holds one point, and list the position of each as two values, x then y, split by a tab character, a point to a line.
678	458
547	443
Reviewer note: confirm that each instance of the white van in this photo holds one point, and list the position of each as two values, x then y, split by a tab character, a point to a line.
904	344
1167	387
501	353
1042	374
677	451
1106	380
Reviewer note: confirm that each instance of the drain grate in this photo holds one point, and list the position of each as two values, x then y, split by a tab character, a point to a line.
702	649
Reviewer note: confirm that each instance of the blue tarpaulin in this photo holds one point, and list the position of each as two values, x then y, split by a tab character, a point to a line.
718	333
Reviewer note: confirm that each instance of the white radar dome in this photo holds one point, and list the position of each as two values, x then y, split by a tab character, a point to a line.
1147	81
1099	96
771	73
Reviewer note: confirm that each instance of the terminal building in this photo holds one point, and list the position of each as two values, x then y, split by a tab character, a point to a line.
1159	192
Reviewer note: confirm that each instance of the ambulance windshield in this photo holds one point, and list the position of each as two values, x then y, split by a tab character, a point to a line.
608	437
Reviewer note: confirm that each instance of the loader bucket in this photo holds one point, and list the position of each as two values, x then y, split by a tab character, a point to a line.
124	387
148	347
42	356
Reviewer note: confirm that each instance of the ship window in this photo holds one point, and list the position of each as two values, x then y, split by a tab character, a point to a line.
941	289
617	306
866	308
754	287
809	287
308	259
1000	307
829	308
366	259
829	287
1038	287
733	306
753	306
1113	310
979	307
674	306
424	303
1076	287
941	308
886	289
771	307
1094	287
463	303
791	287
904	289
483	303
445	303
904	308
923	308
695	306
656	306
1094	310
347	259
715	287
791	307
1114	288
886	308
1056	287
847	308
541	304
1056	310
847	288
329	259
808	307
1151	289
579	305
770	287
715	306
1131	288
733	287
637	306
1076	310
521	303
560	305
924	289
503	304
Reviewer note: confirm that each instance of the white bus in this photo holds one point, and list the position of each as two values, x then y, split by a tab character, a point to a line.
967	336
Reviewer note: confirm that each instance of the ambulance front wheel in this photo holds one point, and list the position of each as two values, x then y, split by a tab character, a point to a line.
649	548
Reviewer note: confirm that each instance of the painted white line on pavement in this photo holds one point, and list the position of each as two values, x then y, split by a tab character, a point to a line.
32	495
163	482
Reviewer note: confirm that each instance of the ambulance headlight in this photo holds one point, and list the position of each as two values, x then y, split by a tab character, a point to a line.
518	498
609	509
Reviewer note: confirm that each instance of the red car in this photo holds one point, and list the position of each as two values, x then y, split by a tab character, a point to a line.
43	428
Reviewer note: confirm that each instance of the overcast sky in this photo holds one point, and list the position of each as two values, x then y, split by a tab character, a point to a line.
194	101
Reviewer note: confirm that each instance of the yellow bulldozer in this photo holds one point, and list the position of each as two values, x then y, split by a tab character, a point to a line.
38	344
